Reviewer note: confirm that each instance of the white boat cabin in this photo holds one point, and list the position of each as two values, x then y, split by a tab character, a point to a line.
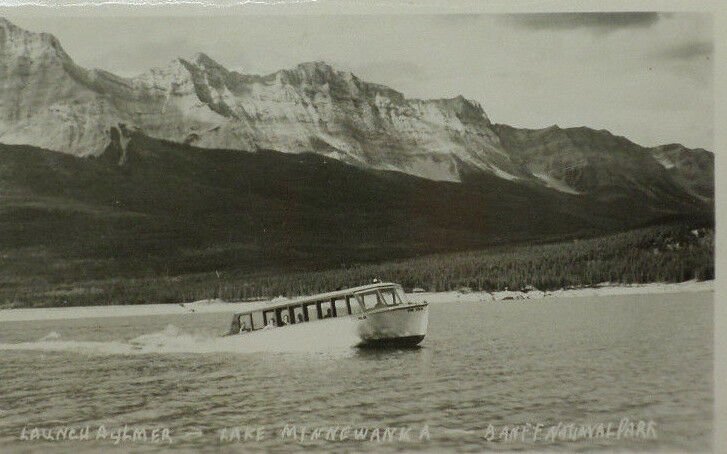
341	303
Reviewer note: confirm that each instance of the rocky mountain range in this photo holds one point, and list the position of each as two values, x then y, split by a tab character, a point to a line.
191	168
48	101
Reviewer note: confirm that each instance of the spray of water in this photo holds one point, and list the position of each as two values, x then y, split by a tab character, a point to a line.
323	337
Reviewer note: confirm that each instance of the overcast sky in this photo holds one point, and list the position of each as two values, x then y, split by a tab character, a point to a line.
646	76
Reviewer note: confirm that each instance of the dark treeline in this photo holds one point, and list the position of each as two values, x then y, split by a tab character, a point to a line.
672	253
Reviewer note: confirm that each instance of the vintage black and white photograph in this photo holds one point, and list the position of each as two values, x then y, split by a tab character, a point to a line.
237	229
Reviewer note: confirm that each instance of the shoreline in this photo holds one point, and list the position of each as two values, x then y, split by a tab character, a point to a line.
219	306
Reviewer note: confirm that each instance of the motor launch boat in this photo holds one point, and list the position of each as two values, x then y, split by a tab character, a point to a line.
379	315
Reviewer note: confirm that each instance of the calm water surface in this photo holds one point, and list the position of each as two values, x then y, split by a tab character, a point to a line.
574	360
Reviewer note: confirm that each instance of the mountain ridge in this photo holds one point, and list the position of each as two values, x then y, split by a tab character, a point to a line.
48	101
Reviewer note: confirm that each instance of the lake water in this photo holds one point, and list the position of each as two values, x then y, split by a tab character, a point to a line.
483	367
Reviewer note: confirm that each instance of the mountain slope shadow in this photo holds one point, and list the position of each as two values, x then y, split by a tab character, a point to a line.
176	208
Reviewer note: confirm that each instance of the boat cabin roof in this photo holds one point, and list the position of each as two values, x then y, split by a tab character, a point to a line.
323	297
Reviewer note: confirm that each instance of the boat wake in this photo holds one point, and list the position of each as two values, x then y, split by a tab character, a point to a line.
172	340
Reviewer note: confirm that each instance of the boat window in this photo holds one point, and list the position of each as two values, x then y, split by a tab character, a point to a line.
371	300
389	296
270	315
257	320
312	312
341	309
326	309
400	295
284	316
355	305
298	315
246	322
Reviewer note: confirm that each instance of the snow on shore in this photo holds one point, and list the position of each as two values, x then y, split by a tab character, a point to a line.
217	306
605	289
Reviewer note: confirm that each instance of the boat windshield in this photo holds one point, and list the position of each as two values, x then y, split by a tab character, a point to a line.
392	296
382	297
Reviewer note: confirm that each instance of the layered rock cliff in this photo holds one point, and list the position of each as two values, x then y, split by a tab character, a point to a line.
48	101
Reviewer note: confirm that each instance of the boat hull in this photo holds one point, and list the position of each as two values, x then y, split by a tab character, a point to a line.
399	326
392	342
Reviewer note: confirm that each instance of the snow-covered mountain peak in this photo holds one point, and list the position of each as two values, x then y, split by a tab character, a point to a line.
205	62
314	73
466	110
318	70
18	42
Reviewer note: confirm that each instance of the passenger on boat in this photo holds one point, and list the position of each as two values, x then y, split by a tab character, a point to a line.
271	324
285	321
244	328
329	314
300	318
